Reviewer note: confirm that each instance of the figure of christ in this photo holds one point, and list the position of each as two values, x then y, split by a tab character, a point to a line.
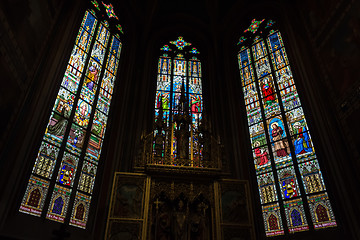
280	146
268	92
261	155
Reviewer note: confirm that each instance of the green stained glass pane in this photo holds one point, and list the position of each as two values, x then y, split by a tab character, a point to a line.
94	148
257	135
99	124
162	98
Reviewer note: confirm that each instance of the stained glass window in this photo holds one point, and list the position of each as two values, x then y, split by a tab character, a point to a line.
179	76
64	172
290	182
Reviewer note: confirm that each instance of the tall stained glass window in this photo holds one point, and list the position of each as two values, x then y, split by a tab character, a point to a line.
63	177
178	84
291	186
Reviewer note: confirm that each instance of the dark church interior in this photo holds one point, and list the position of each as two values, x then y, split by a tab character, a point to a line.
322	40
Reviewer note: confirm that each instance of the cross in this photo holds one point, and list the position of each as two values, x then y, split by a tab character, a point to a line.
157	202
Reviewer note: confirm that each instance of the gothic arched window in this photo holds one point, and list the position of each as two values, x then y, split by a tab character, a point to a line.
289	178
64	172
178	101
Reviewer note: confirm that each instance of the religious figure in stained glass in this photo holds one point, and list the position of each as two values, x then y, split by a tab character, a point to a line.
88	85
274	81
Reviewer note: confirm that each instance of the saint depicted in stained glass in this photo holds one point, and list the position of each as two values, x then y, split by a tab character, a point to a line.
89	104
270	97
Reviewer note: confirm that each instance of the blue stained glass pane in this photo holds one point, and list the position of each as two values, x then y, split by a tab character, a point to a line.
195	85
164	66
89	22
276	129
115	47
194	69
296	218
58	205
275	41
244	58
247	75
